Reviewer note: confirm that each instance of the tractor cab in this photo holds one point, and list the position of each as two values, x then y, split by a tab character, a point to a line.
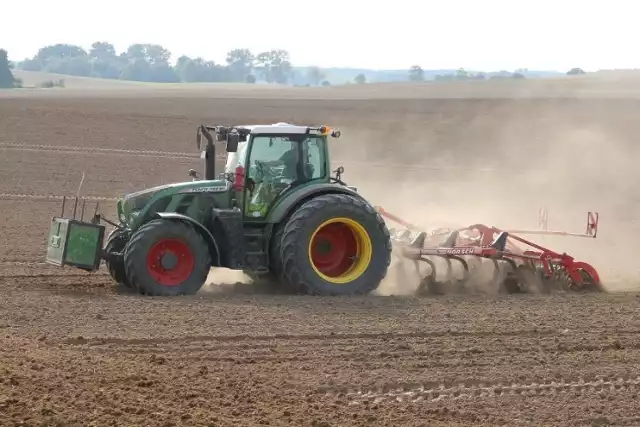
273	159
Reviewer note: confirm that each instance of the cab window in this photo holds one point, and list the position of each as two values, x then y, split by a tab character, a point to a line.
313	155
272	167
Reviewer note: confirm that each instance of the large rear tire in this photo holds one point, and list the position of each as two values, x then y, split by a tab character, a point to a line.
277	279
166	258
116	242
335	244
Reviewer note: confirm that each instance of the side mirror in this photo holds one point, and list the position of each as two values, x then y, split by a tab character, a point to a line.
233	138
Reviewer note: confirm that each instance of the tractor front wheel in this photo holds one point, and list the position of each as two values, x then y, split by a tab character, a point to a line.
335	244
166	258
116	242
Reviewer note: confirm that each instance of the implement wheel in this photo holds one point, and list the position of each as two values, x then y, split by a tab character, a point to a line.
335	244
166	257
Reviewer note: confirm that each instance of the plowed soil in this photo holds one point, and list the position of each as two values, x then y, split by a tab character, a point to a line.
76	351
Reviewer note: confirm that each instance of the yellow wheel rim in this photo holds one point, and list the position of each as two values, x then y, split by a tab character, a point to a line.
340	250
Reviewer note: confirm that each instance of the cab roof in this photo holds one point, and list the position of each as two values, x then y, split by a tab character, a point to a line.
279	128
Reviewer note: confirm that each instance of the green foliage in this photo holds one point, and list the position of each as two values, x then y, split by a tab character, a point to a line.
240	63
274	66
151	63
575	72
463	75
416	73
315	75
6	76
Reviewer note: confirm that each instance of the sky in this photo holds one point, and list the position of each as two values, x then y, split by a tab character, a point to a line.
473	34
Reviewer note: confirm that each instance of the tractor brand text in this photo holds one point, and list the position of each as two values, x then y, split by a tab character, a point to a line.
216	189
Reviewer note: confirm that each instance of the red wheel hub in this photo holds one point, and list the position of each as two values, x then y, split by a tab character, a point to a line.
334	249
170	262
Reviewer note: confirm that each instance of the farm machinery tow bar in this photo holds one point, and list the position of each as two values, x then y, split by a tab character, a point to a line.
529	267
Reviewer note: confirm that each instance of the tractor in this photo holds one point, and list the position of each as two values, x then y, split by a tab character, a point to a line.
277	212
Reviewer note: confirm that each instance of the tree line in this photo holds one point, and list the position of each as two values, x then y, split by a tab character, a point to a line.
7	80
151	63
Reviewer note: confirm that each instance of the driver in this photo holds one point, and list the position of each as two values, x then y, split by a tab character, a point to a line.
289	159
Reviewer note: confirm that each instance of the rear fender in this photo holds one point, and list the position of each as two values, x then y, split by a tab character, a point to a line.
297	197
213	245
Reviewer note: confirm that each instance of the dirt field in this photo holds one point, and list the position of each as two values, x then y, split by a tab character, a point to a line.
76	352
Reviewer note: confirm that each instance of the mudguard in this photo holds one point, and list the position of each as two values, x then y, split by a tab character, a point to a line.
295	198
203	230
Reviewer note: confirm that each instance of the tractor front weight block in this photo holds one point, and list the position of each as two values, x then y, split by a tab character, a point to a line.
75	243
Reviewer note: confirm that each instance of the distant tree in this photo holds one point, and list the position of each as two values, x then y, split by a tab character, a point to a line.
360	79
153	54
326	83
192	70
136	70
416	73
59	52
151	63
240	63
75	66
461	74
274	65
575	72
30	65
102	51
315	75
517	75
6	76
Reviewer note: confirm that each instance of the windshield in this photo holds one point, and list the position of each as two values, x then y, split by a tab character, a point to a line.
283	151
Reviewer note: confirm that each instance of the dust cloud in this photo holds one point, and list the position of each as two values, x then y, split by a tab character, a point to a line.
504	182
499	165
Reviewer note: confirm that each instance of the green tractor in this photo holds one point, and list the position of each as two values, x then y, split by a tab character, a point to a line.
276	212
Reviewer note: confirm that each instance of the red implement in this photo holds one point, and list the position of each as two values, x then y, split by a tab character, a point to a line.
530	267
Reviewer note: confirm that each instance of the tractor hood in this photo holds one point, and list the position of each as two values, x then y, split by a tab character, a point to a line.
139	200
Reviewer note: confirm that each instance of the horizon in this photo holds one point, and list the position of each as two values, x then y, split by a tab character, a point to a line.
547	37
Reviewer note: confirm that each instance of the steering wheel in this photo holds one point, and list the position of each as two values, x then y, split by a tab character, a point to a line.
268	171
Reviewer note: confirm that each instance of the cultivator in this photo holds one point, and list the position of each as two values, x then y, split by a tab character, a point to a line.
487	258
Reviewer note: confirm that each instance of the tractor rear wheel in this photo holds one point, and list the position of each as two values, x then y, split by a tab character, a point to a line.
116	242
335	244
167	258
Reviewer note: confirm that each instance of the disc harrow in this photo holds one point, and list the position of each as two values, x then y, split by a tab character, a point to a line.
483	257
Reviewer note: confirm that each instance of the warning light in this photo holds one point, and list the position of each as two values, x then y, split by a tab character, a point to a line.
326	130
